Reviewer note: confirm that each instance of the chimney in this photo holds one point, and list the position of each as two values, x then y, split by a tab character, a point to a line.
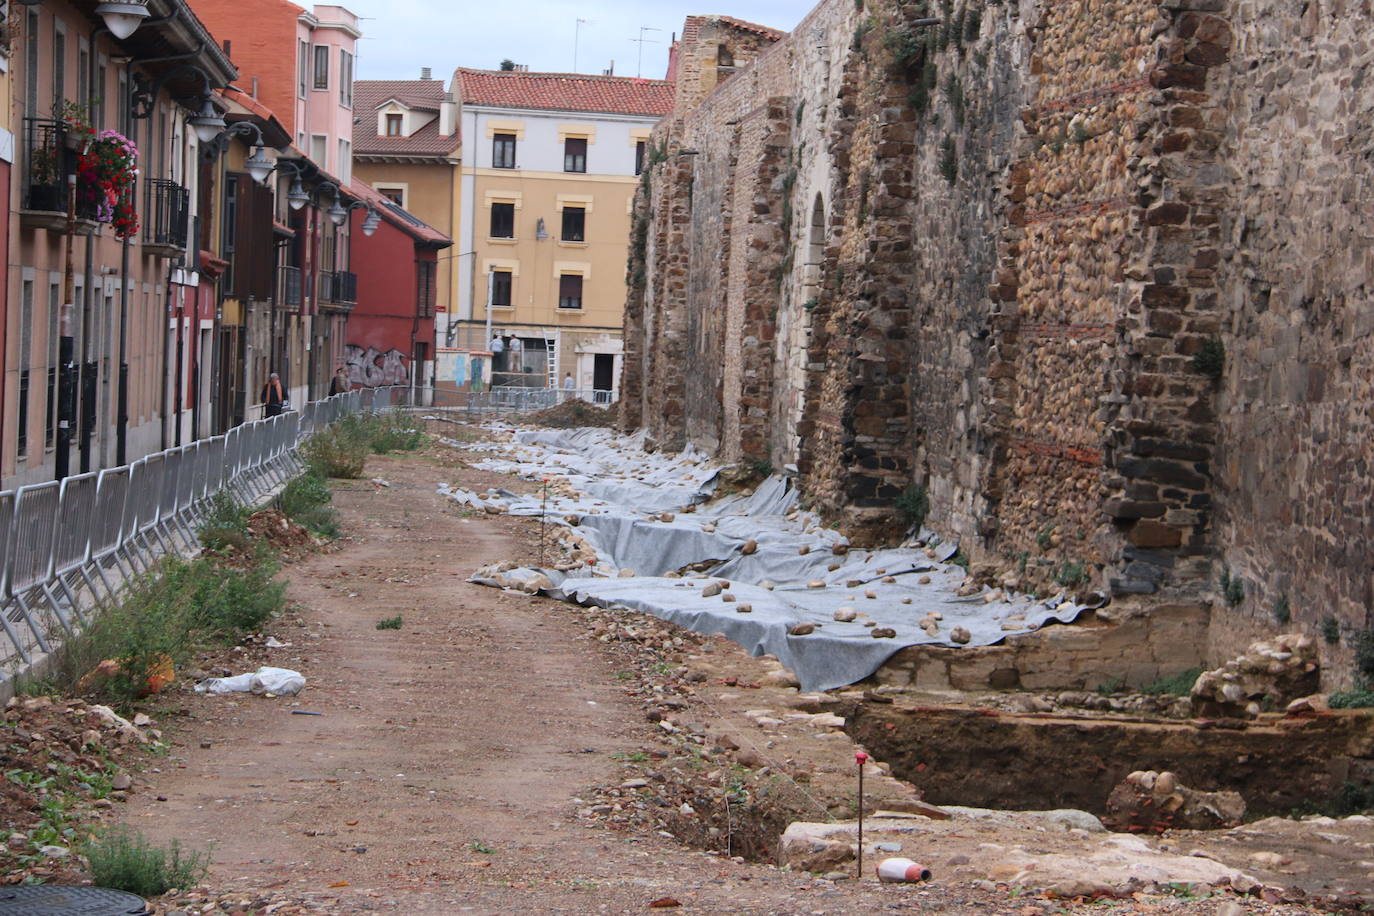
426	73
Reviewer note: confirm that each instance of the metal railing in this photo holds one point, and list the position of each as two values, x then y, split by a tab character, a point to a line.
166	213
66	546
509	399
48	163
340	286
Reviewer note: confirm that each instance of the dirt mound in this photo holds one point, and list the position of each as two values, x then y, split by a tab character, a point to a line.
280	532
574	413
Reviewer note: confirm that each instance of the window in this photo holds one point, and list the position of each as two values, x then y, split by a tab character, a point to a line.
59	70
321	66
503	151
319	149
229	228
570	291
503	221
575	154
640	147
396	195
345	79
345	166
500	289
393	125
31	62
83	74
25	345
302	68
574	224
424	288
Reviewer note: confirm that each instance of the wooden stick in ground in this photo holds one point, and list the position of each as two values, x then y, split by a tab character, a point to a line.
861	758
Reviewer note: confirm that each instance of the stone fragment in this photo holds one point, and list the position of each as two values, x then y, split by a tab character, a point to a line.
802	629
750	547
728	597
744	607
883	633
816	583
846	614
960	635
711	590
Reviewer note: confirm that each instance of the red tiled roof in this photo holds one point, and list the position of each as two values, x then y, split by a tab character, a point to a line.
691	27
565	92
401	219
420	95
273	132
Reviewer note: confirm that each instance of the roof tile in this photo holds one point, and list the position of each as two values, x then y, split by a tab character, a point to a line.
565	92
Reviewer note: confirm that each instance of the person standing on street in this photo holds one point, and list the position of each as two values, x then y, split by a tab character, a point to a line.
273	397
340	384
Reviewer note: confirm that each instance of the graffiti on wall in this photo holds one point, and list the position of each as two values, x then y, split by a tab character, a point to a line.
372	368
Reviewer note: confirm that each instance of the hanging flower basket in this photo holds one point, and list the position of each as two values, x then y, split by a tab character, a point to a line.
106	173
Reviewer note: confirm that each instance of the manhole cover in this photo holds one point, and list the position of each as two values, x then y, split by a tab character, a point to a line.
69	901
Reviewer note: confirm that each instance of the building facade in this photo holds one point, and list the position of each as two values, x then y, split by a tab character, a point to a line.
104	305
548	177
406	147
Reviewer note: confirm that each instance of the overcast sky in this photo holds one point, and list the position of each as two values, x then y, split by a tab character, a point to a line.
401	36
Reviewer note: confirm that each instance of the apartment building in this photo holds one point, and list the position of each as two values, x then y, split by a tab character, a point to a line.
100	303
548	176
406	147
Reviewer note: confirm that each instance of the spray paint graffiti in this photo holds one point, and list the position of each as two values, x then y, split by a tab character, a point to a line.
371	368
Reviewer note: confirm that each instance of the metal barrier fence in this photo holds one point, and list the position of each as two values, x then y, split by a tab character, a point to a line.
88	533
515	398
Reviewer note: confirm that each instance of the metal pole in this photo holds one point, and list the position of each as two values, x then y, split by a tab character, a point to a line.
122	398
66	388
486	341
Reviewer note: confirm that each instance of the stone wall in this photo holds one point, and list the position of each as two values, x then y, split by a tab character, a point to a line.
1091	274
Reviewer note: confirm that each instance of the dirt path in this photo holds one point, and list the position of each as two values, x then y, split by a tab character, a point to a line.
441	774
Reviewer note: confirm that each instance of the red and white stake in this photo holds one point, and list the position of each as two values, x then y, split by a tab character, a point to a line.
861	758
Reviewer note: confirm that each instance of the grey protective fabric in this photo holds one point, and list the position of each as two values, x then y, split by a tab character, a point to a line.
626	491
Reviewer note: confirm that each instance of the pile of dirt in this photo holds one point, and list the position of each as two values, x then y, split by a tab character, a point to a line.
280	532
572	414
60	760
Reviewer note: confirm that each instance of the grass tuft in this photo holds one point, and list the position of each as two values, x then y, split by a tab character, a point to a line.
125	860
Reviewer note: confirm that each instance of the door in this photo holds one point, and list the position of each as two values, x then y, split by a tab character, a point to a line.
603	376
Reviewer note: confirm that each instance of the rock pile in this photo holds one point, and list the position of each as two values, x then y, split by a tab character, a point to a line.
1272	671
1155	802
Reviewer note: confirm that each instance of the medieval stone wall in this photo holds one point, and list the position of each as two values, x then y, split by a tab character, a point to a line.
1092	275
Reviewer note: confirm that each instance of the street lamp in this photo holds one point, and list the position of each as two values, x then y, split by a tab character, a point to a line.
123	17
208	122
257	164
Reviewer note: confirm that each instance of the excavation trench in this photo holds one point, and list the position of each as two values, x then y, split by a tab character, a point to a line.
990	759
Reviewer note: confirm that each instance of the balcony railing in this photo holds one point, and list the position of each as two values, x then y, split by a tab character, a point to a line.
289	290
166	216
339	287
48	163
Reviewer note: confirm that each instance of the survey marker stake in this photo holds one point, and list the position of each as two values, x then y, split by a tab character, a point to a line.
861	758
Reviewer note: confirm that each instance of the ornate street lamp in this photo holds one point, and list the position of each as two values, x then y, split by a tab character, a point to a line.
123	17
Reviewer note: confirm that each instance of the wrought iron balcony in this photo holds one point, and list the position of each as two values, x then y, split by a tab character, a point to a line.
49	162
289	289
166	217
339	288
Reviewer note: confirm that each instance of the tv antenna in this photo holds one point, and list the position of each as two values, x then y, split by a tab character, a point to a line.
639	66
577	34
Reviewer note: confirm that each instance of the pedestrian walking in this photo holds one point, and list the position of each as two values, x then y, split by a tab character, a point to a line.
273	396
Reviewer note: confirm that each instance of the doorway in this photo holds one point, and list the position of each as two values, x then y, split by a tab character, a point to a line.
603	376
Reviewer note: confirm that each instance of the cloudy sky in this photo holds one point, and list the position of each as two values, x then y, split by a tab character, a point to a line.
401	36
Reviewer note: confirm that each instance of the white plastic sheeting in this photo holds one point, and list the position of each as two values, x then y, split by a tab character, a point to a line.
800	572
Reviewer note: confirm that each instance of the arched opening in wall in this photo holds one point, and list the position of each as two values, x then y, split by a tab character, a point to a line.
725	61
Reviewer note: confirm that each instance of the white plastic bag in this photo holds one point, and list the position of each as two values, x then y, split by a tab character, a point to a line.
272	682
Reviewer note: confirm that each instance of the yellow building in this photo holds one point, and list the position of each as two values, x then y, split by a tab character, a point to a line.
547	181
405	145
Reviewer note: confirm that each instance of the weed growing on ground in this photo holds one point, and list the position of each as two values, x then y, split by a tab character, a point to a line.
338	450
306	500
225	525
125	860
1071	574
1351	699
396	432
390	623
479	847
1178	685
761	467
913	505
1110	686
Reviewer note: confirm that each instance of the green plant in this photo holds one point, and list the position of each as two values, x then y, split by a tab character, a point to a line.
960	559
860	32
1071	573
396	432
1043	540
949	160
225	524
1177	685
912	505
973	24
801	106
1331	629
761	467
338	450
1110	687
1210	359
1232	587
810	304
479	847
954	91
389	623
1363	644
1283	614
1021	559
1080	134
125	860
1351	699
306	499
